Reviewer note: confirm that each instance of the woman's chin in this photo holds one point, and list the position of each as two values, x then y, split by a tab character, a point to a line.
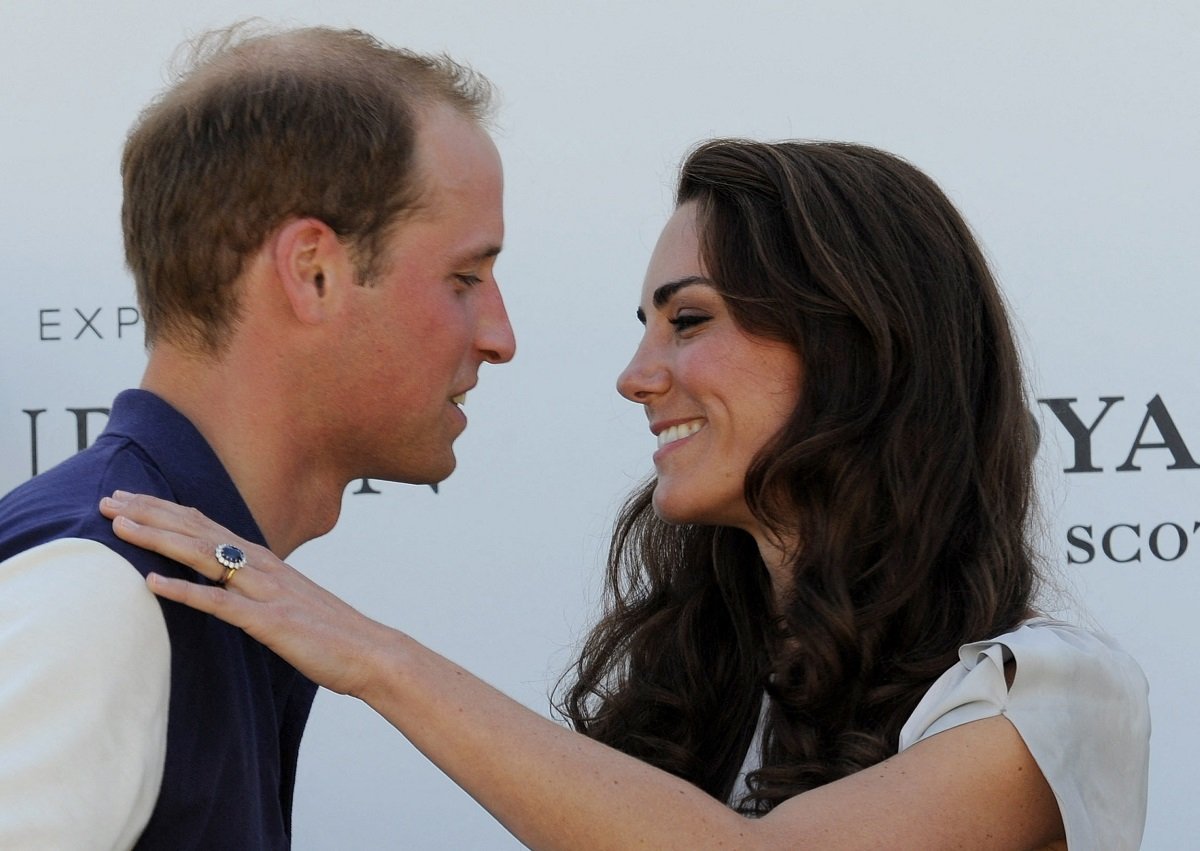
679	506
666	509
678	511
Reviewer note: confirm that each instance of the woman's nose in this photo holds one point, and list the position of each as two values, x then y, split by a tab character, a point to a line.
644	377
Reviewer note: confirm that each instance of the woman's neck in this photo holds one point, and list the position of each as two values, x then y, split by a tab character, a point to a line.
778	556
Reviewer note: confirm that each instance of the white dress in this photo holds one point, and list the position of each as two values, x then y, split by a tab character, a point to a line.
1079	702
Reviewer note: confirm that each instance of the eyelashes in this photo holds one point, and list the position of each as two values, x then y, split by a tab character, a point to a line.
684	321
681	321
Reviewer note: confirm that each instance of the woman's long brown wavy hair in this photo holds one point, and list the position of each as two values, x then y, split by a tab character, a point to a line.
905	472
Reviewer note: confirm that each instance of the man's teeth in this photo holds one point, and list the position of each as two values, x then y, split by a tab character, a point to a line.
679	432
460	399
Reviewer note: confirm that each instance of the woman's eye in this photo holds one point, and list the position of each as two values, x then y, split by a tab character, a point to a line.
684	321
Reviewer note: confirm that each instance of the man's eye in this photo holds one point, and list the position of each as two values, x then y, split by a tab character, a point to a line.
469	280
688	320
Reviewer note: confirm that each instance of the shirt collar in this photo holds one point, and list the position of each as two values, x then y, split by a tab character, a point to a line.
191	468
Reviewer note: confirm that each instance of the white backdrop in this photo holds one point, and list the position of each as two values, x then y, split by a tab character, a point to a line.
1066	132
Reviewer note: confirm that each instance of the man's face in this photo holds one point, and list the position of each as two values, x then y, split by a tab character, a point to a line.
432	314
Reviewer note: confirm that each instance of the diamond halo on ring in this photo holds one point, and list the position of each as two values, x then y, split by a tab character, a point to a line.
232	558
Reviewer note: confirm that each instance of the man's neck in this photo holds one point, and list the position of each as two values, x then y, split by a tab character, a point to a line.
265	447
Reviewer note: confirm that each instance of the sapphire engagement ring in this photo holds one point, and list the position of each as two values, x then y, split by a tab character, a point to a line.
232	558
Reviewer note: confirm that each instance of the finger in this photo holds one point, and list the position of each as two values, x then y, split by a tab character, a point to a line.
196	553
212	599
163	514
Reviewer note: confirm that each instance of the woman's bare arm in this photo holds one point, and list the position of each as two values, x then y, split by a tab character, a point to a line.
975	786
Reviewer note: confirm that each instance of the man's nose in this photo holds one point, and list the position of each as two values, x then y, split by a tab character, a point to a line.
495	338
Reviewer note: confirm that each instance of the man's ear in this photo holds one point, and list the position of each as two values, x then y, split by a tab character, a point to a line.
313	268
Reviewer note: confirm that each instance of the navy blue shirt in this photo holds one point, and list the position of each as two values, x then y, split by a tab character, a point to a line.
237	711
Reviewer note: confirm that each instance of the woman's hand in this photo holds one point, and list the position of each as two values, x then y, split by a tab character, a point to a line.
327	640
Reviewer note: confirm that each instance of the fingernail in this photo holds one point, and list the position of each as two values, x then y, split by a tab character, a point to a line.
121	496
125	522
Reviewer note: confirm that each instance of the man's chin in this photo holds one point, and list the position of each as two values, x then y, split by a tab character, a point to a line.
432	475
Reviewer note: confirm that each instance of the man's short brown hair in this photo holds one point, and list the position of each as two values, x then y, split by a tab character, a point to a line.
260	128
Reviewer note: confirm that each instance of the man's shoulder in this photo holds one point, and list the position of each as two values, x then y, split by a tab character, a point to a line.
87	584
85	659
63	501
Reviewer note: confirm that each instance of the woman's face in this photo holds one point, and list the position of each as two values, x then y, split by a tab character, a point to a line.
713	393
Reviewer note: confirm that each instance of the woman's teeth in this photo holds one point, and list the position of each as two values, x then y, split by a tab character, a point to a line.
679	432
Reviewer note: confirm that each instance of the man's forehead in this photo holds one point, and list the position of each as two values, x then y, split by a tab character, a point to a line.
454	149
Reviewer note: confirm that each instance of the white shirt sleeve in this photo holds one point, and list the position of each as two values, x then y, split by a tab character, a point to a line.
84	689
1080	704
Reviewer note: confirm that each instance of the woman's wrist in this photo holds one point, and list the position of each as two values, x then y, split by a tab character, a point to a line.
386	655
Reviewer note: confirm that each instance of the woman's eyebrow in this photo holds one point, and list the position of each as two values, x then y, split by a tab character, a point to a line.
663	294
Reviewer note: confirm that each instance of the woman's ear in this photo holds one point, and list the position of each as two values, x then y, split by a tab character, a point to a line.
313	269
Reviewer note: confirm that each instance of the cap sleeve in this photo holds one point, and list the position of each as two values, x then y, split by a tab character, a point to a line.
1079	702
85	671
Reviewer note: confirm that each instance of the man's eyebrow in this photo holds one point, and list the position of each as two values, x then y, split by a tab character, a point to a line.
474	256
